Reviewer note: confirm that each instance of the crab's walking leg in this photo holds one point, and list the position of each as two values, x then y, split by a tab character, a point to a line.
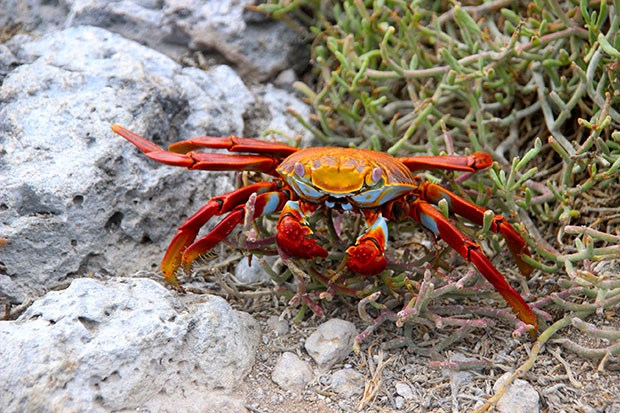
516	244
294	235
212	161
233	144
366	256
433	220
189	230
472	163
265	204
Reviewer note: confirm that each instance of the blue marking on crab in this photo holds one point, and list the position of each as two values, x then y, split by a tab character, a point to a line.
379	196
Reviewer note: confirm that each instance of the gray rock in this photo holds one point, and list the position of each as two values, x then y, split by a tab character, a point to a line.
331	342
252	273
291	373
76	198
520	396
404	390
8	61
260	48
276	102
30	16
123	344
72	199
348	383
278	326
257	46
139	20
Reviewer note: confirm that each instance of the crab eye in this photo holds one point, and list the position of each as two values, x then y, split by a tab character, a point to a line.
376	175
299	169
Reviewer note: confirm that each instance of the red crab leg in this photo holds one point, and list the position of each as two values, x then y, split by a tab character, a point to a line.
233	144
472	163
293	233
366	256
433	220
265	204
202	160
189	230
516	244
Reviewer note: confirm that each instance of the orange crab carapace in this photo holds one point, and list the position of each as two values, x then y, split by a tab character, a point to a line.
380	187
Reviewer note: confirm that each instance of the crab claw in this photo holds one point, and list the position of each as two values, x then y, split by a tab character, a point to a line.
365	258
293	233
292	239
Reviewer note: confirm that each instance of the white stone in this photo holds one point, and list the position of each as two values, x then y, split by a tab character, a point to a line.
404	390
291	373
278	326
331	342
520	396
348	383
123	344
251	273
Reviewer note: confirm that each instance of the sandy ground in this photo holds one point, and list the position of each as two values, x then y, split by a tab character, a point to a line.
564	381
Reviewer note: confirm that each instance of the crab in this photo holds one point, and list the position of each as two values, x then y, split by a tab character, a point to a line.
374	184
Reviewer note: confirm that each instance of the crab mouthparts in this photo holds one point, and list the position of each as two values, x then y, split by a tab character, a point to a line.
336	203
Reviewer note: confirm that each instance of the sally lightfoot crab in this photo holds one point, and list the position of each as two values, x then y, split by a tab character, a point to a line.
376	185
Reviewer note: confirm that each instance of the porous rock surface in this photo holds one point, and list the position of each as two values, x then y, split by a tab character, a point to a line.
125	343
225	31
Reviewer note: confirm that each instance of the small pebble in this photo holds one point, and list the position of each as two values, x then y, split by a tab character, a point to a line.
399	402
520	396
291	373
279	327
251	273
404	390
331	342
275	398
285	79
348	383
